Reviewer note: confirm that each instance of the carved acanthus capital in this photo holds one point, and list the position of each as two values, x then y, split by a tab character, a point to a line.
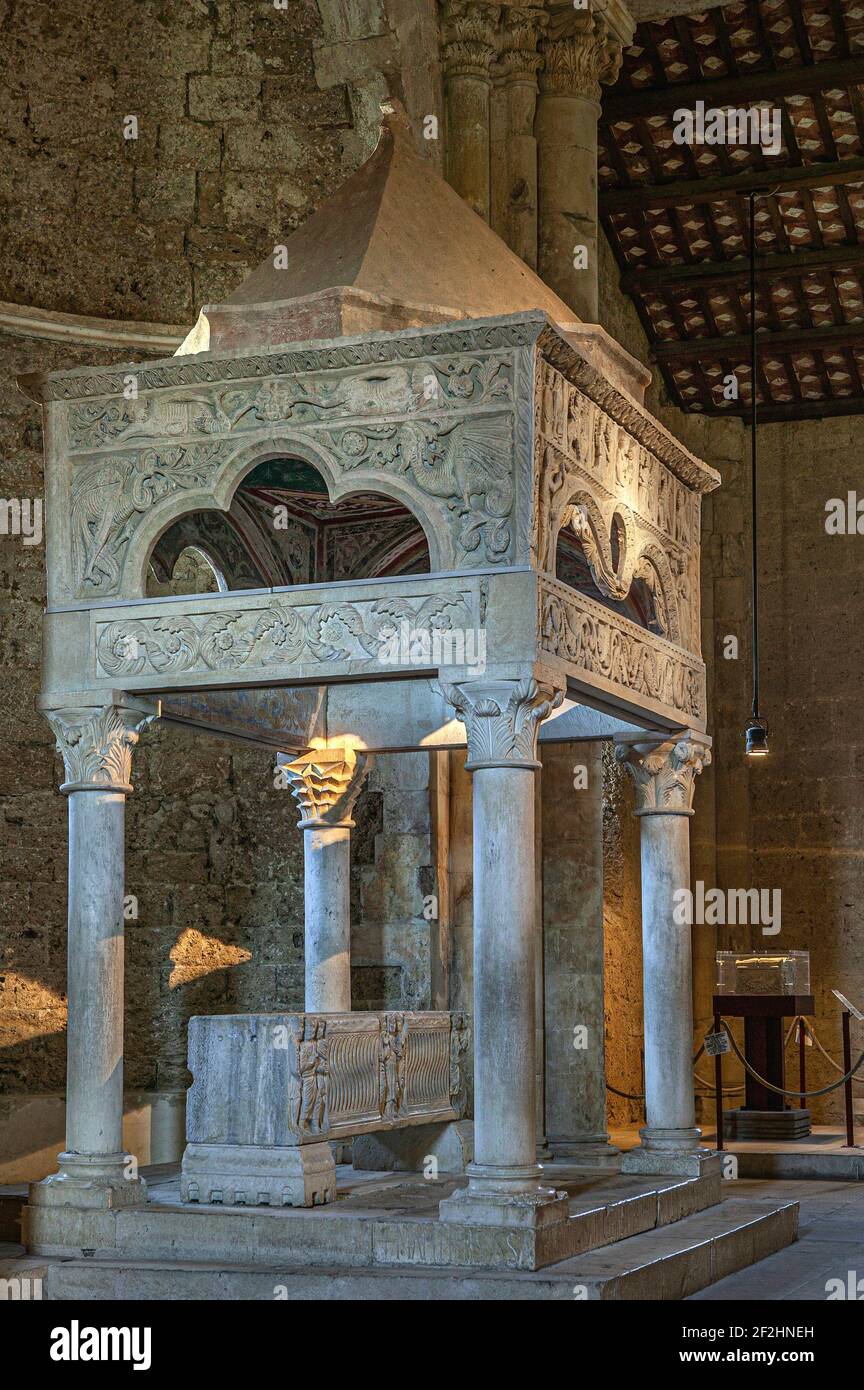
502	719
326	783
519	59
664	774
578	60
470	37
96	743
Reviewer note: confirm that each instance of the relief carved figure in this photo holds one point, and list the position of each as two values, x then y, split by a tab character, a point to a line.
110	497
391	1082
310	1075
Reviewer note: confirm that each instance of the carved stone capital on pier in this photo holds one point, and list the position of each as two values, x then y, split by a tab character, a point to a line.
583	49
469	30
664	773
96	742
326	783
519	59
502	719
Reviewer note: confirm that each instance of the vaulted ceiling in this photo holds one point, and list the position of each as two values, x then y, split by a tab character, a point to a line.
677	214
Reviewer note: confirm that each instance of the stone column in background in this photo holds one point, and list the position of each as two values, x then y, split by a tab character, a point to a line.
581	50
326	783
470	34
664	773
504	1188
573	950
96	742
514	148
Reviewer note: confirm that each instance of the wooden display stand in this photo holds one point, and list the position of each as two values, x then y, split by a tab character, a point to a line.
765	1114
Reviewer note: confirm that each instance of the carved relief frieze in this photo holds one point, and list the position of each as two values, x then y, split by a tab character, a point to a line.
433	423
449	382
593	638
275	633
634	518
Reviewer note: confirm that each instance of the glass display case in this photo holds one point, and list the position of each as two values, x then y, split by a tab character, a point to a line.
755	972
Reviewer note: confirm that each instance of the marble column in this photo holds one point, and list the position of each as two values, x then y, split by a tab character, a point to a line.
96	742
574	957
664	775
514	147
505	1180
326	783
470	36
582	49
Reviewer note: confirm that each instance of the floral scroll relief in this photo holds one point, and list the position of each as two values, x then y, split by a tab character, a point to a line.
280	634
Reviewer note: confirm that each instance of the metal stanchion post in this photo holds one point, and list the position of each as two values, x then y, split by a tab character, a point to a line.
802	1064
718	1086
847	1067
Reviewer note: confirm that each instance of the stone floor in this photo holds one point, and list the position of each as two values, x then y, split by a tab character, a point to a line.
830	1244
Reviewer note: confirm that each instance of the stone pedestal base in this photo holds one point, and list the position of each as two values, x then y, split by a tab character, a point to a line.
409	1150
92	1182
671	1151
586	1153
236	1175
770	1125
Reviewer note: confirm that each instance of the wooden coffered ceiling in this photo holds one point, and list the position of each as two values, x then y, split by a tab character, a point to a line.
677	215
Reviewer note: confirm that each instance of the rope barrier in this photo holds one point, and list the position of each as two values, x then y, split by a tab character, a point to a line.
736	1090
780	1090
858	1080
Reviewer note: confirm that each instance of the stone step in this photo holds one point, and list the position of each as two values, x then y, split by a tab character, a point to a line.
378	1222
666	1263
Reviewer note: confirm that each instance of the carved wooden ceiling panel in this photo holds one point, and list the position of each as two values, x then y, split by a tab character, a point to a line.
676	213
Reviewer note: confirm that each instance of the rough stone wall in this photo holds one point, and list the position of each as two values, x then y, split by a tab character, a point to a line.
237	144
792	822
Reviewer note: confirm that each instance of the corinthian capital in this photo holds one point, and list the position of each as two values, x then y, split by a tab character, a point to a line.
582	51
518	59
326	783
96	743
502	719
664	774
470	37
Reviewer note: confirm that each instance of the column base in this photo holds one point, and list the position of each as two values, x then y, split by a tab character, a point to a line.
594	1151
513	1197
236	1175
671	1151
96	1182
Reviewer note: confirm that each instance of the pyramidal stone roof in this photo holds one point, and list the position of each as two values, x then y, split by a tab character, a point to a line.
394	247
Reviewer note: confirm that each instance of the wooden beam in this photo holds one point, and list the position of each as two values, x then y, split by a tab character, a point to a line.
712	190
619	104
737	345
791	410
670	277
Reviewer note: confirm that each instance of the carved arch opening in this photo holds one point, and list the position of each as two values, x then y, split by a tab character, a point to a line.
644	601
284	527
